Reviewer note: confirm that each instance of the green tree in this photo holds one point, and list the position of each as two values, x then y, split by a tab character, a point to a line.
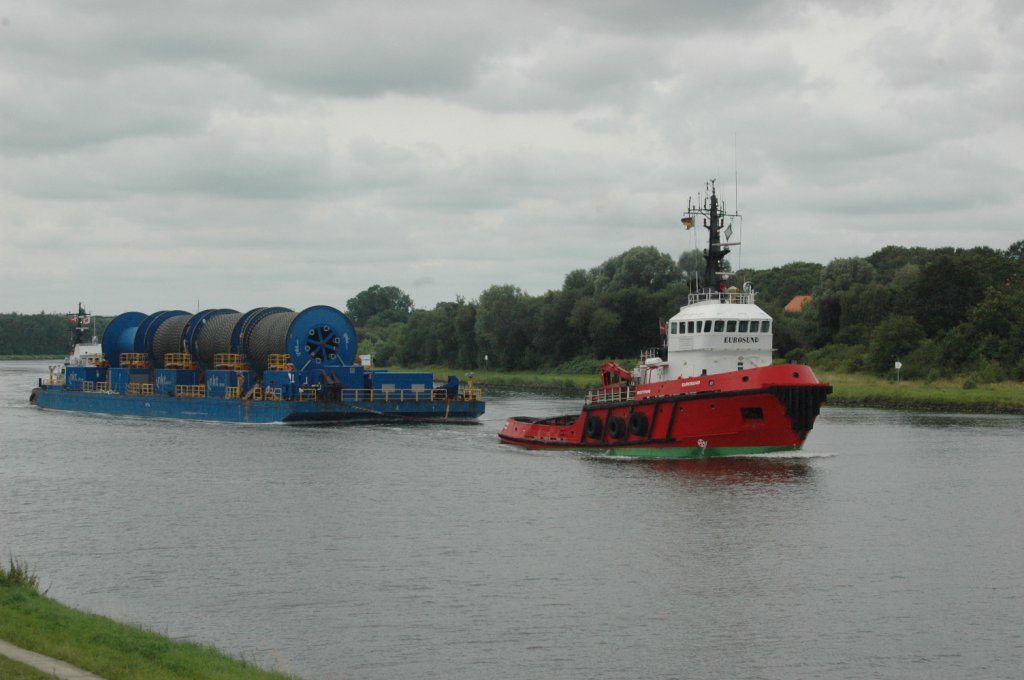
893	339
642	267
826	304
951	283
778	285
379	304
504	327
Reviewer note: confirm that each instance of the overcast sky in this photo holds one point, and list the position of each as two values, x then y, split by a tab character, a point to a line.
159	155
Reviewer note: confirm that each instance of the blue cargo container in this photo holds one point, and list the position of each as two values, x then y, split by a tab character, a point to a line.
217	381
166	380
74	376
120	377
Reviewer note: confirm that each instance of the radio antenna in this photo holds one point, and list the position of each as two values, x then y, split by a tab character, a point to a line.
736	198
736	176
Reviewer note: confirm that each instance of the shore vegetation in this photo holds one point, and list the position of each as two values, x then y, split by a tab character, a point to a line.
116	651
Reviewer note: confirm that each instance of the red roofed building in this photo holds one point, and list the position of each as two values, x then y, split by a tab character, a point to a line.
797	304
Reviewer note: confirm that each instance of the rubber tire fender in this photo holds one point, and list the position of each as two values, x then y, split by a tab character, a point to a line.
616	427
638	423
592	427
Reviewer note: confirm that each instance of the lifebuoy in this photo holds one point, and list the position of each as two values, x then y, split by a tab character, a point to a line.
638	423
592	427
616	427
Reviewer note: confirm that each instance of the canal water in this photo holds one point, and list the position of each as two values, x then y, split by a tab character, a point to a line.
891	547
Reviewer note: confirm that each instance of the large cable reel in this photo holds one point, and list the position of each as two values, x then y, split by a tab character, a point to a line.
209	333
119	336
316	336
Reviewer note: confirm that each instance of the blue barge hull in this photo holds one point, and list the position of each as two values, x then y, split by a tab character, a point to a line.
254	411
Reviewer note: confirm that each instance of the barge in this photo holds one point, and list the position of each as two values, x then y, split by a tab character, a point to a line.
267	365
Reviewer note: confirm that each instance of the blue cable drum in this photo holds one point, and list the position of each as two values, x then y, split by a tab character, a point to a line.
119	336
316	336
264	334
144	325
321	336
244	325
209	333
167	336
147	330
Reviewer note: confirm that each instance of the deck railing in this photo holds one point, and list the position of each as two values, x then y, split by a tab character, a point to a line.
613	393
724	297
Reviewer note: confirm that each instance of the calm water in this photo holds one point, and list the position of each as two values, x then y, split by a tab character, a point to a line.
893	547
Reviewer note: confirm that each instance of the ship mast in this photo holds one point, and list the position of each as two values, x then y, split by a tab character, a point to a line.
714	214
716	251
78	333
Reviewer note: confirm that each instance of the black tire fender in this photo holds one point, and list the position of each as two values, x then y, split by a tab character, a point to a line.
638	423
616	427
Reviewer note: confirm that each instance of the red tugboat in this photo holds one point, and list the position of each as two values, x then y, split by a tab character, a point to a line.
711	391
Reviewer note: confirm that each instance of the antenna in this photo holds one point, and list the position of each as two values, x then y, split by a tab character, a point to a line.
736	198
736	177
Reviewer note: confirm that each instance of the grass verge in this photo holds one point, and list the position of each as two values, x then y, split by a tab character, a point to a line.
12	670
112	650
852	389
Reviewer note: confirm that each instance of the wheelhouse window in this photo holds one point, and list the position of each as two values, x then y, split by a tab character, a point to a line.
707	326
675	327
689	326
766	326
730	326
719	325
743	326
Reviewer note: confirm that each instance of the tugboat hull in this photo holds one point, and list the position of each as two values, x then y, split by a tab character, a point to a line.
774	415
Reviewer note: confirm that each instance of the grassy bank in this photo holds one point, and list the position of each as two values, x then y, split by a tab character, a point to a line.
850	389
939	395
112	650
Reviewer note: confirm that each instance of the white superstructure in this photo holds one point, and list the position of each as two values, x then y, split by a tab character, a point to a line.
714	333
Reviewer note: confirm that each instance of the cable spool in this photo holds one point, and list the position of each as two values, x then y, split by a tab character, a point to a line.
119	336
209	333
267	335
168	336
316	336
147	332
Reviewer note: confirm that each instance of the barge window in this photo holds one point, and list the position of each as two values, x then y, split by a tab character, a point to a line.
766	326
743	326
730	326
689	326
719	325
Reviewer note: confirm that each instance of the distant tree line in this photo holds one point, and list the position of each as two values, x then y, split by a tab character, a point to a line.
42	334
939	311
